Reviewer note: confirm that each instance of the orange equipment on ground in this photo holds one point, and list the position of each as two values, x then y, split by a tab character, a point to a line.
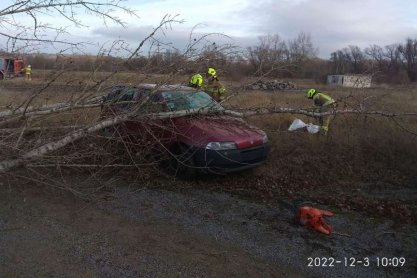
313	218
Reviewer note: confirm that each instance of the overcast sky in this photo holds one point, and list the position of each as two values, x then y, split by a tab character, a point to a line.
332	24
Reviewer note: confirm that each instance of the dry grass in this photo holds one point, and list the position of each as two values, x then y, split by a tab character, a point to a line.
358	147
365	140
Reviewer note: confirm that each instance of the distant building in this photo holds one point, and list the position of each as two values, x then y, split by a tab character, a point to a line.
350	80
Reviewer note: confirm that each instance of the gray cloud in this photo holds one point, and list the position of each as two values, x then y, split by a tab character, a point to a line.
178	38
333	24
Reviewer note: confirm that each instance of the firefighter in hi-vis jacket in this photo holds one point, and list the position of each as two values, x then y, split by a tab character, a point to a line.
322	104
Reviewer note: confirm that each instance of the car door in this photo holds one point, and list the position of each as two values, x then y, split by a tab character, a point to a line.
162	130
144	129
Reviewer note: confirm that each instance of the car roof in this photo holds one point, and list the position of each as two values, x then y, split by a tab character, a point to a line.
165	87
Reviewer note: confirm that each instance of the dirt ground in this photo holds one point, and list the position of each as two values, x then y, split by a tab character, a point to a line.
138	232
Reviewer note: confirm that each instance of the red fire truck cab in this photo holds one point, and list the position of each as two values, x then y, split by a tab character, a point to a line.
12	67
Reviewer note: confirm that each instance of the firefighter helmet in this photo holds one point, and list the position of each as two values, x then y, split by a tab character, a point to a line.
311	93
212	72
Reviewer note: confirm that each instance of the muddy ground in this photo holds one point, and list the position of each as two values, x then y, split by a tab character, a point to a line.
132	231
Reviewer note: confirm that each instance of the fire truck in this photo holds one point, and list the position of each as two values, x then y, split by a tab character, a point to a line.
12	67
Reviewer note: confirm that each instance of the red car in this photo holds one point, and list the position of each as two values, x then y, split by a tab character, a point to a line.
206	138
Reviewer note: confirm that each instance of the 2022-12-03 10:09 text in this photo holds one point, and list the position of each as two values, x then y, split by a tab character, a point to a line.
356	262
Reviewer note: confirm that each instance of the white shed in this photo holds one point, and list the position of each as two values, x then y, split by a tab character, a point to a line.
350	80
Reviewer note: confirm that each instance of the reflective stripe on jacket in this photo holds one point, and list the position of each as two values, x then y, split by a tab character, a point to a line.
214	86
323	100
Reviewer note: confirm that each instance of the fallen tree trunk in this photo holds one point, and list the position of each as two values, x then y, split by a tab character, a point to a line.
80	133
280	110
47	148
53	146
19	111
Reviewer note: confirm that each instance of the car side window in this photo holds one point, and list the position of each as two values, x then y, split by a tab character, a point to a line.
127	96
121	96
141	93
114	94
154	104
131	97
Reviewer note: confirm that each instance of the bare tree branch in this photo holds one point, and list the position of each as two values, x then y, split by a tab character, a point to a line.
37	32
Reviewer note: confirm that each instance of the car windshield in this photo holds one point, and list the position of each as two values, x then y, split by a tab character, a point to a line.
177	101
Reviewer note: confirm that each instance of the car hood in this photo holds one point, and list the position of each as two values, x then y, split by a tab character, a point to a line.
200	130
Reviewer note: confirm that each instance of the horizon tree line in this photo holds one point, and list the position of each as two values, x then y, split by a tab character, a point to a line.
271	57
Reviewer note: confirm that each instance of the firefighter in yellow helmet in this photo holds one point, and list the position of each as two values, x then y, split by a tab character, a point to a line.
196	81
214	87
322	104
28	72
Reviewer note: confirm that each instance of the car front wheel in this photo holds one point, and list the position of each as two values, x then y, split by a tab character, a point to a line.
181	162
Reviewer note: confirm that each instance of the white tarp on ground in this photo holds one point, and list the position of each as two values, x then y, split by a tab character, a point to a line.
299	124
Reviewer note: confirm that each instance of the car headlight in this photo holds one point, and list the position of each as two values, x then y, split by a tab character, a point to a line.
264	136
219	146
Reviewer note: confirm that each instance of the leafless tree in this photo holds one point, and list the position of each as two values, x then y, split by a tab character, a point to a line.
386	61
408	53
340	60
393	56
269	56
28	33
24	26
60	143
301	48
376	53
357	59
348	60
